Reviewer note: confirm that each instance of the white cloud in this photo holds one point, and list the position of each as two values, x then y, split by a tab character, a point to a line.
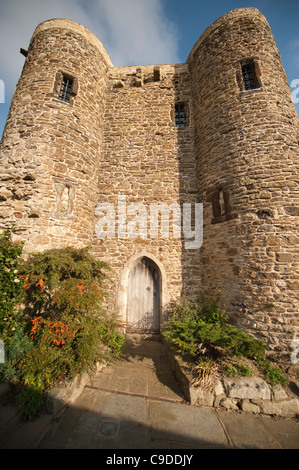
138	32
134	32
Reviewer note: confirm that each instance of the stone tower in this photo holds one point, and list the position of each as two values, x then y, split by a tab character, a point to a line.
51	144
83	138
246	144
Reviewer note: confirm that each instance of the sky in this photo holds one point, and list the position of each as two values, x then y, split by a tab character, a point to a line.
138	32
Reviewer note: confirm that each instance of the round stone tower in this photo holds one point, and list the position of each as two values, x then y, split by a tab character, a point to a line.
246	142
51	144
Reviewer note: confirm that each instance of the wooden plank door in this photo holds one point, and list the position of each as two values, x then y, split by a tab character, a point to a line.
144	296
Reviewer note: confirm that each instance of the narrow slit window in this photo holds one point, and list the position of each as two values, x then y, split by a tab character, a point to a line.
221	206
66	89
250	78
180	115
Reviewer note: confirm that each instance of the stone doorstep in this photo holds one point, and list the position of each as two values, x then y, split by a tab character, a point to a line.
249	394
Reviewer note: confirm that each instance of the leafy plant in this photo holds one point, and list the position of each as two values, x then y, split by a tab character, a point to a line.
187	335
231	371
11	291
61	276
18	346
69	328
63	329
194	329
274	375
237	370
30	400
208	310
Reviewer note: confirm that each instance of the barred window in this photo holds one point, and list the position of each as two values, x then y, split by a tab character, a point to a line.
180	115
66	89
250	78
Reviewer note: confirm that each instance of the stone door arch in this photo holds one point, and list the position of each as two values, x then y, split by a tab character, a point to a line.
144	296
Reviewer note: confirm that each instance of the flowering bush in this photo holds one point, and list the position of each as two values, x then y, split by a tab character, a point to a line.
69	329
11	291
63	328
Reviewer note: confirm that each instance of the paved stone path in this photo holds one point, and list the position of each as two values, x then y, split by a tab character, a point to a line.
136	404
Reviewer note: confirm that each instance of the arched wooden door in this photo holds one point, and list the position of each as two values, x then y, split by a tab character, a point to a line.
143	309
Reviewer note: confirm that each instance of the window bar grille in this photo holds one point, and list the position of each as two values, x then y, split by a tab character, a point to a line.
249	77
180	115
66	89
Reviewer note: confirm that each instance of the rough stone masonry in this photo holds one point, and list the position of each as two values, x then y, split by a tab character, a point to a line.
220	130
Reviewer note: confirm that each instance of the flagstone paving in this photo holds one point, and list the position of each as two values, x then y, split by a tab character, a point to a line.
136	403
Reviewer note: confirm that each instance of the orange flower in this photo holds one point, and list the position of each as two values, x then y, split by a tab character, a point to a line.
26	285
36	322
80	287
40	283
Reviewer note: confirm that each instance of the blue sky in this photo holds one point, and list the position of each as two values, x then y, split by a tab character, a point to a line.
138	32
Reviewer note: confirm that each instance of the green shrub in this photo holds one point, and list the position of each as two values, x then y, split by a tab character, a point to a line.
244	370
207	310
31	401
56	278
231	371
203	326
63	329
238	370
15	350
273	374
69	328
187	335
11	291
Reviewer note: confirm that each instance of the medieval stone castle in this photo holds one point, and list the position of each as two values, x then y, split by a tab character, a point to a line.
220	130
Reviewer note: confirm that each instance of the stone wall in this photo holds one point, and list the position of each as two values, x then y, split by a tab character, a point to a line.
147	160
248	394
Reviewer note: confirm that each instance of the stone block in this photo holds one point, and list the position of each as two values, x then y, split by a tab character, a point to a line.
250	407
200	396
218	388
284	257
247	387
286	408
229	404
66	393
279	393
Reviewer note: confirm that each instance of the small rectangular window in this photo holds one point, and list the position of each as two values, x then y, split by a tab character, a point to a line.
66	89
250	78
180	115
